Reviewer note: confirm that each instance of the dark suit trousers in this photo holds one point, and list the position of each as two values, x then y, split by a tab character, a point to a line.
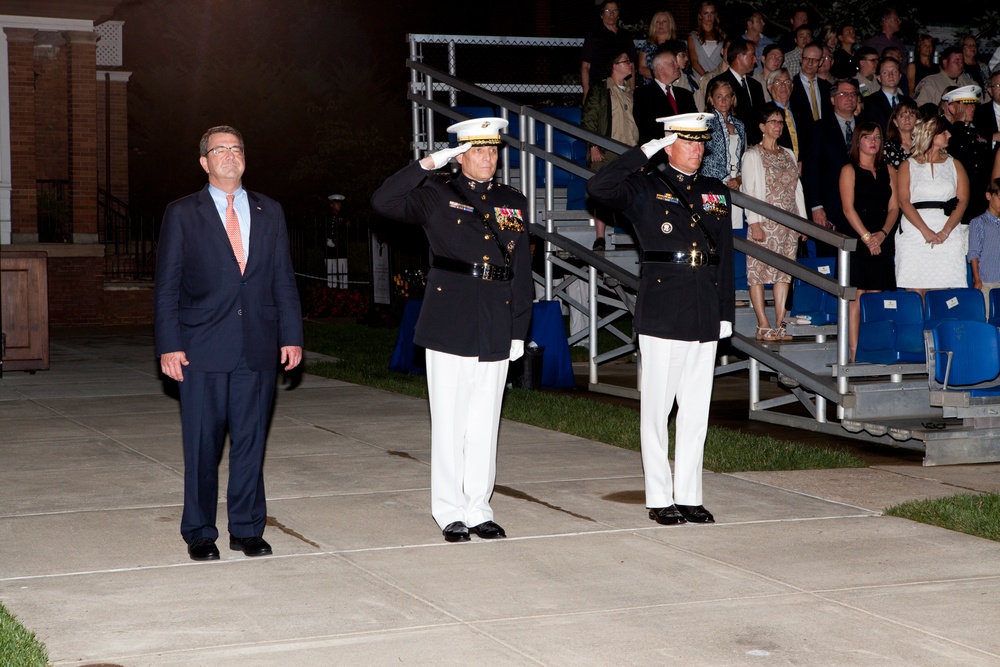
210	402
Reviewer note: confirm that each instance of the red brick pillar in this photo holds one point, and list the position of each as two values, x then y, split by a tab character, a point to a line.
23	196
111	92
82	66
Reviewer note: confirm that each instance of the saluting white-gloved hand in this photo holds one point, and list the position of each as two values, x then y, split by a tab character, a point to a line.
725	329
516	349
654	146
440	158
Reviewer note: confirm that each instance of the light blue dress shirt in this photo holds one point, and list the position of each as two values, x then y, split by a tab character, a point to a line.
241	204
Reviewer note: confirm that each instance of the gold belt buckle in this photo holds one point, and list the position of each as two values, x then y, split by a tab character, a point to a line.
697	258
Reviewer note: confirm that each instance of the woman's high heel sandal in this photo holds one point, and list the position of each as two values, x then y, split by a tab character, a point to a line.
766	333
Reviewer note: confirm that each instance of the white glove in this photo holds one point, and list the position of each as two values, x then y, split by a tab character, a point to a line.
516	349
441	158
654	146
725	329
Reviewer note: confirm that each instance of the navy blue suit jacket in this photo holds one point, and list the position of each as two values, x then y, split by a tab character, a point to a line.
204	307
821	178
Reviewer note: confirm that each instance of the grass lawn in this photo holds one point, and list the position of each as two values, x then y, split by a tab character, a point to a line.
971	513
18	647
364	359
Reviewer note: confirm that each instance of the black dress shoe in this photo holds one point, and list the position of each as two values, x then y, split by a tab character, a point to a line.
203	548
250	546
456	531
667	516
489	531
696	513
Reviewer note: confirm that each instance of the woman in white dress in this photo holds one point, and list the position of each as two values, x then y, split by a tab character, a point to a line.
933	192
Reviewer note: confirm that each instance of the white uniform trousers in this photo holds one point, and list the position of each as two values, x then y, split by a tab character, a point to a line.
465	396
685	371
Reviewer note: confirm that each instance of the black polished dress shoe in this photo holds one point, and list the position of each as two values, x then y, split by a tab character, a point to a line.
696	513
667	516
489	531
203	548
250	546
456	531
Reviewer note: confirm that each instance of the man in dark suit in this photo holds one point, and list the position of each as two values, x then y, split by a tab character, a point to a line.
829	151
474	317
810	99
879	105
749	93
223	317
985	118
660	98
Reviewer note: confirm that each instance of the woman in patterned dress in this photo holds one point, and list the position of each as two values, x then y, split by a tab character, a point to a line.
899	133
662	28
770	173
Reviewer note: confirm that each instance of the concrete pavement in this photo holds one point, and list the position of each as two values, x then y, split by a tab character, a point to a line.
801	568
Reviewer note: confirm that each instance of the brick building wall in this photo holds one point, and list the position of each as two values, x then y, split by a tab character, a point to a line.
112	92
51	123
81	66
21	78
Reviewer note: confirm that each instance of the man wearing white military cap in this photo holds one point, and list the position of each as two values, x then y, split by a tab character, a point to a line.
686	302
336	244
474	317
967	145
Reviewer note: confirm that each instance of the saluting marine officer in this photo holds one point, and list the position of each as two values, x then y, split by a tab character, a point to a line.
474	316
686	301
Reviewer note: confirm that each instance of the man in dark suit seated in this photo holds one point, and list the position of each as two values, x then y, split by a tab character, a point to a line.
879	105
660	98
749	93
226	309
829	151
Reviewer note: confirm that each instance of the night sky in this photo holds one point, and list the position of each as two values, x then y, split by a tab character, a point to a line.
270	69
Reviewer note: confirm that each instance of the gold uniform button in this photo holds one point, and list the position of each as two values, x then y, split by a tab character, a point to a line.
438	289
484	197
658	280
486	258
694	245
459	221
507	302
486	236
689	187
692	224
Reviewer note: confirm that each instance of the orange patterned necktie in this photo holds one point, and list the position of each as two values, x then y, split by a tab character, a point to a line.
233	231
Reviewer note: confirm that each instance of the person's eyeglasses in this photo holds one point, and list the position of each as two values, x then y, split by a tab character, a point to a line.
776	121
846	94
611	12
782	83
219	151
810	60
995	85
623	62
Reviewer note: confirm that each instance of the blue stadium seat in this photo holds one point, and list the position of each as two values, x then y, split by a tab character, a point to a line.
740	262
891	329
964	303
809	300
994	318
967	353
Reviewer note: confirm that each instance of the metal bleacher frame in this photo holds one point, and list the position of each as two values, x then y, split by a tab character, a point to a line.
873	403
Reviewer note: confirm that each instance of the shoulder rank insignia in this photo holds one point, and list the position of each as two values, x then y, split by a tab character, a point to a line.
461	207
509	219
714	204
667	197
